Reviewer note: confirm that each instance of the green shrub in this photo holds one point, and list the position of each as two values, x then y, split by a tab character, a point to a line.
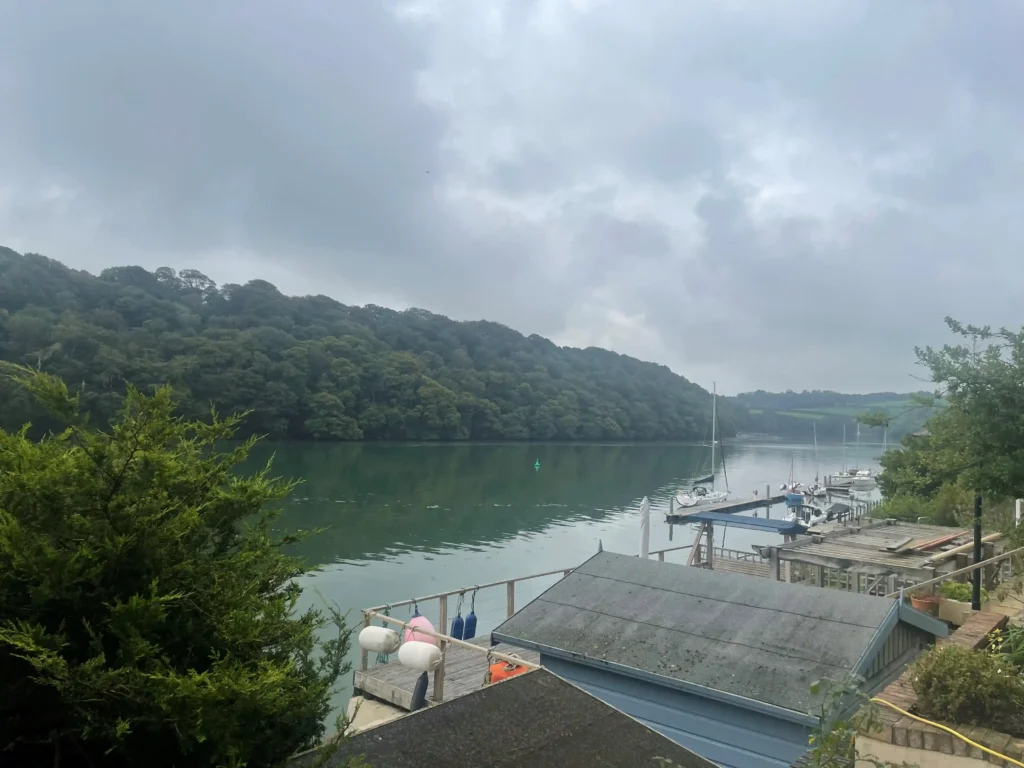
962	591
147	614
1008	644
961	685
908	508
948	505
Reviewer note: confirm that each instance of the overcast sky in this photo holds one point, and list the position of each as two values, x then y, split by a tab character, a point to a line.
767	193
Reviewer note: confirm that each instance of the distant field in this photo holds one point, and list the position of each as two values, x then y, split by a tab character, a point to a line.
802	414
903	414
892	407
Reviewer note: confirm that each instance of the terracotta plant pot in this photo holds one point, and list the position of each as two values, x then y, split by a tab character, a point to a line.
925	603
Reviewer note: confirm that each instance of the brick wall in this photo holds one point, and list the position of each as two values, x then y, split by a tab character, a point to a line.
906	732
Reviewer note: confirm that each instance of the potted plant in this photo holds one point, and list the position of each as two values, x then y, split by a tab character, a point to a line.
925	600
956	601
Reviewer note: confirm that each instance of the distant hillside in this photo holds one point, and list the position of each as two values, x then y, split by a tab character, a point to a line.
311	368
790	414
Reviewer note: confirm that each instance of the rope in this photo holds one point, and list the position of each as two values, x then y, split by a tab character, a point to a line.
948	730
487	670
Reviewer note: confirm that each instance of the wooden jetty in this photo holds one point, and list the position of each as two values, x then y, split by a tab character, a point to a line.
463	664
464	672
678	515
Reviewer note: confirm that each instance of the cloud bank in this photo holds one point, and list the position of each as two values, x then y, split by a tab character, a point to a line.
771	194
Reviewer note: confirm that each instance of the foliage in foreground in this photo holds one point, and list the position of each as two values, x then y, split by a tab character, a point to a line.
844	712
147	615
1008	644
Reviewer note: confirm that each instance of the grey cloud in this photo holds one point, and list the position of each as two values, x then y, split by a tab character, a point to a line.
779	194
196	126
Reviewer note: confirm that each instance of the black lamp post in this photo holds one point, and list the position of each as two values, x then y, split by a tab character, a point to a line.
976	574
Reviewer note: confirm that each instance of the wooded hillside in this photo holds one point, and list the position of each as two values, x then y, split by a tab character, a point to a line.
795	415
312	368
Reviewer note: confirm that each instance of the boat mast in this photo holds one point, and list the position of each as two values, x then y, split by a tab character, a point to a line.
844	447
815	425
714	415
858	445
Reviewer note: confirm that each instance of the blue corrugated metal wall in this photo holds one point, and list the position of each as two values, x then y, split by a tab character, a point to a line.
725	734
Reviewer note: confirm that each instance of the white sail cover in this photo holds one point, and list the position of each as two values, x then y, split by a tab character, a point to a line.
645	528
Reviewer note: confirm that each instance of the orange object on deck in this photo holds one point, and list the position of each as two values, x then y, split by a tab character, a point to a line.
503	671
924	546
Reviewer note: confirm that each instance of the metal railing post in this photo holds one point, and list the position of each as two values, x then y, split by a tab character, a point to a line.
442	617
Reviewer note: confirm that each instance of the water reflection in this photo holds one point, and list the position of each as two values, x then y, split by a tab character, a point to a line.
409	520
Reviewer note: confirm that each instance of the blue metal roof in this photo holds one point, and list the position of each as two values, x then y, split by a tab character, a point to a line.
774	525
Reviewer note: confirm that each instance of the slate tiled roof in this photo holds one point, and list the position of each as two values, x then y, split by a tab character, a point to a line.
534	720
764	640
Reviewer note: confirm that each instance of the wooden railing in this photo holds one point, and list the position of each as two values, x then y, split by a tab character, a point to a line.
738	554
982	564
380	612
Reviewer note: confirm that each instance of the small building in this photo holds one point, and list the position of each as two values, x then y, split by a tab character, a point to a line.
533	720
877	557
720	663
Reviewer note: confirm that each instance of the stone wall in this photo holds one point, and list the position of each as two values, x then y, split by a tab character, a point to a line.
904	739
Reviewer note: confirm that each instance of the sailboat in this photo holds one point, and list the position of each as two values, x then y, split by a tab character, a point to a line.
852	477
699	494
703	473
817	490
791	484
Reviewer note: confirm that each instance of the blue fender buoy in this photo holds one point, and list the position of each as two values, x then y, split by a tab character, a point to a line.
469	630
457	627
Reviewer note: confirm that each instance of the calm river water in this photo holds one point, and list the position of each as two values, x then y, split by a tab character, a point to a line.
414	519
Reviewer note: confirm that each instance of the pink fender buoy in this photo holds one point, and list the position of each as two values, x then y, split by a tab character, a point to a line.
421	622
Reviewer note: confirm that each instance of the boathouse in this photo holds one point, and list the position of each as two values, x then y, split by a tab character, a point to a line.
533	720
720	663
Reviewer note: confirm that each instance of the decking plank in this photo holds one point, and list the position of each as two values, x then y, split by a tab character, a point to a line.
747	568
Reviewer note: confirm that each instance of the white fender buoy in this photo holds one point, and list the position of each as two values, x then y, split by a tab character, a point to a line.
379	640
419	655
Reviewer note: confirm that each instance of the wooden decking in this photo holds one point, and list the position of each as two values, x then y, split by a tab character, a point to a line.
464	673
678	515
746	567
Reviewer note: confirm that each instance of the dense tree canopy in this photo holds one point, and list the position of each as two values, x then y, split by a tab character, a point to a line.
311	368
978	441
974	444
147	616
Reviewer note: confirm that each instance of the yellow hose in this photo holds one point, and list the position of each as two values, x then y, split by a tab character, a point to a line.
940	726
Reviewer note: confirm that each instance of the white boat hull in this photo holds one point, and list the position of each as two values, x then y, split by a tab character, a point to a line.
690	500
